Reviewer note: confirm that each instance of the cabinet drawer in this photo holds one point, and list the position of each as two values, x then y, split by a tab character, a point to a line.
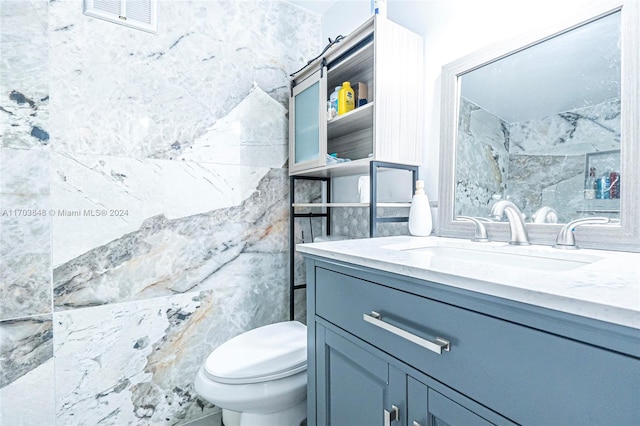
527	375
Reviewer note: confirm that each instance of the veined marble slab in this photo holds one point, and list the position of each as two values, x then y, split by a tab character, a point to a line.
24	171
144	95
25	281
25	233
114	365
254	133
589	129
134	363
165	256
25	344
30	400
24	82
530	178
130	191
482	139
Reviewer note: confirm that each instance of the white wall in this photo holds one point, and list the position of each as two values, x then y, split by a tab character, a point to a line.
344	17
451	29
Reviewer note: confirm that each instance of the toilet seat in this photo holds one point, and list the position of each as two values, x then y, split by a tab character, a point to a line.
266	353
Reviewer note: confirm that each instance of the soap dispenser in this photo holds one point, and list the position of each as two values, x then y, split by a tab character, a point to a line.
420	222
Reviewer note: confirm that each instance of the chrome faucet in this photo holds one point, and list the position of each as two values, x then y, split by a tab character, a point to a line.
567	240
481	232
519	236
545	215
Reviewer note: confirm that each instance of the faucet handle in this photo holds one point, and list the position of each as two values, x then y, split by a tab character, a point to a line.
481	232
545	215
567	240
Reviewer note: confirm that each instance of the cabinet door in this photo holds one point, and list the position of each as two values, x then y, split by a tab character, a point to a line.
307	147
427	407
354	387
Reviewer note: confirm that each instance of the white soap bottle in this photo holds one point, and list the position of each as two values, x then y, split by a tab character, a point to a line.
420	222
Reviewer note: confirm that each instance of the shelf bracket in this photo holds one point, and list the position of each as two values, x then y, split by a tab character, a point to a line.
292	237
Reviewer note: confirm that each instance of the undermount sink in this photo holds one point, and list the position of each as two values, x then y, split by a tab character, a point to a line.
440	257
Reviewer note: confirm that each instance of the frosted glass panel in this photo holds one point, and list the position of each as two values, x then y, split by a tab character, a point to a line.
307	130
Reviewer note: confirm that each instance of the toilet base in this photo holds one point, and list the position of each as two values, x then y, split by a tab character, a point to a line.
292	416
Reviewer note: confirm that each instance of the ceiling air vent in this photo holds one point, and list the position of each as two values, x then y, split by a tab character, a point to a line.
140	14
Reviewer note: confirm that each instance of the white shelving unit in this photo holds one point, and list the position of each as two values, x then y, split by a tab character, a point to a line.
326	206
386	132
386	57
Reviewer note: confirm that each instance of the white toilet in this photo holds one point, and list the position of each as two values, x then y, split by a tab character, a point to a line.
259	377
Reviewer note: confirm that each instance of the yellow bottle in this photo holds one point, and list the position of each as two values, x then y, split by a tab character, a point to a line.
346	98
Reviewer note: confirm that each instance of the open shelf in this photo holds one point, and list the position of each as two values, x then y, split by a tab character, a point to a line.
356	167
355	64
353	121
379	205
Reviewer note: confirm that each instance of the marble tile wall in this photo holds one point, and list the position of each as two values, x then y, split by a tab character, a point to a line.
547	156
483	139
535	163
143	201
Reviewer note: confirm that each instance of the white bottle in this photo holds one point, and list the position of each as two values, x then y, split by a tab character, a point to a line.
333	103
420	222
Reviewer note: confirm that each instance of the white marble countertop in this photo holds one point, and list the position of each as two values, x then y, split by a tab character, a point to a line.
606	287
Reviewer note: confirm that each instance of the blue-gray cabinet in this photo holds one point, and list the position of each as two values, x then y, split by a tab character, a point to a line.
357	383
441	355
429	407
361	388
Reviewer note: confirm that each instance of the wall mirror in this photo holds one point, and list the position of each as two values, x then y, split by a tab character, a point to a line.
548	120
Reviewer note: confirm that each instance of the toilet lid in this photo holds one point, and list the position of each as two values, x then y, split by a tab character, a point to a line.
265	353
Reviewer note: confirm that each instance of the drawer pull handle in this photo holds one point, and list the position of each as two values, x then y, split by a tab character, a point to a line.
438	346
391	416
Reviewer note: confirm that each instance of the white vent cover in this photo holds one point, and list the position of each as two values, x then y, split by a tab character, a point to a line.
140	14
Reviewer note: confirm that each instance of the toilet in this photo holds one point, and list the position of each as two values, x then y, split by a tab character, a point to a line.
259	377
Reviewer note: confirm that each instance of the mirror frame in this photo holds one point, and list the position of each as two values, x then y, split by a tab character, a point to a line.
624	236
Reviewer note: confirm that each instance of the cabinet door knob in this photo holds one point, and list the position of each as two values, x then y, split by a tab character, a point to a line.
391	416
437	346
415	423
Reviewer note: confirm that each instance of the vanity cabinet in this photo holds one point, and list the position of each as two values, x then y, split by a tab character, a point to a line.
358	385
389	60
459	357
361	388
425	406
